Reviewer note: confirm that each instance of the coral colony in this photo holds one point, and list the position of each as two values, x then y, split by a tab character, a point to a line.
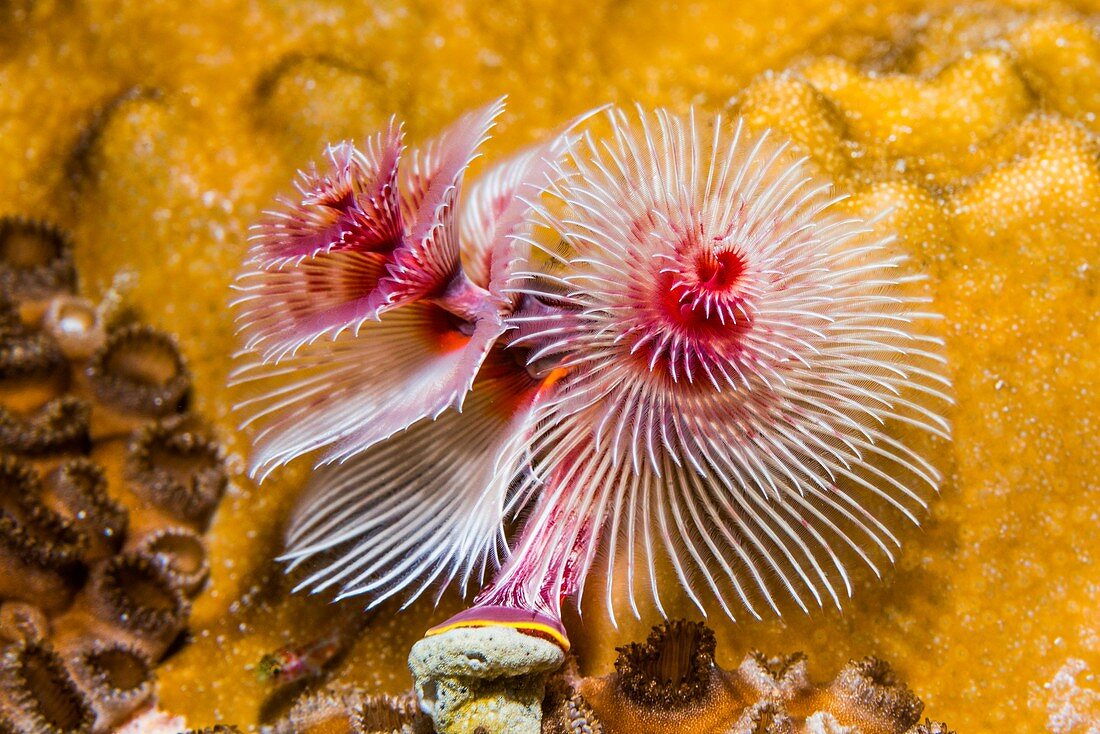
657	345
108	482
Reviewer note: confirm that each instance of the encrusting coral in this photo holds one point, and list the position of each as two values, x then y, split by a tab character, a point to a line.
1007	226
668	684
671	683
95	575
335	264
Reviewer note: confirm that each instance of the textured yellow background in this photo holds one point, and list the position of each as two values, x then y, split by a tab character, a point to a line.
157	131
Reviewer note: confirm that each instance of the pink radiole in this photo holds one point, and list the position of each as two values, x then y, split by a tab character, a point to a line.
656	349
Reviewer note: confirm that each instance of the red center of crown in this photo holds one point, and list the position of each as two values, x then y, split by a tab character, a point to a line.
718	271
340	199
703	292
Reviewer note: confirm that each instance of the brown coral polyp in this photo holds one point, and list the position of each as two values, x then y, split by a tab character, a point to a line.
180	472
765	717
133	596
36	259
574	716
78	491
32	374
319	713
61	425
116	677
181	554
868	688
671	668
351	712
140	371
43	696
669	683
931	727
40	551
389	714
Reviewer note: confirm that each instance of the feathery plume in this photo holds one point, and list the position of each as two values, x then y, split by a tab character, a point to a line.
681	355
737	359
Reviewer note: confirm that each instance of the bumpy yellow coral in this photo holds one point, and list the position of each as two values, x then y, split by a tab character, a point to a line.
164	133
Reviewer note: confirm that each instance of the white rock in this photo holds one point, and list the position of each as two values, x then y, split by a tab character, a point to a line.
488	677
